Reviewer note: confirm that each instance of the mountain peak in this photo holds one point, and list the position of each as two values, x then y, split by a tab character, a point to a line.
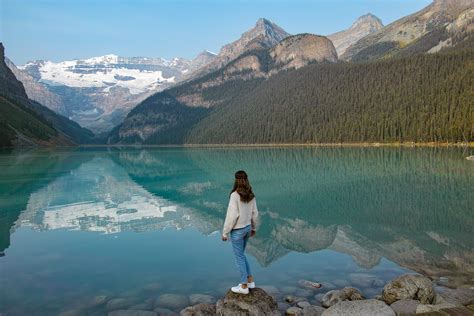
368	20
265	34
363	26
263	21
267	28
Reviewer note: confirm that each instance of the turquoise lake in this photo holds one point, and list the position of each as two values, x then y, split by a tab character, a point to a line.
78	225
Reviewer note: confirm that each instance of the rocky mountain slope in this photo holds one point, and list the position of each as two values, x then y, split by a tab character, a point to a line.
265	34
24	122
98	92
37	91
444	23
299	50
363	26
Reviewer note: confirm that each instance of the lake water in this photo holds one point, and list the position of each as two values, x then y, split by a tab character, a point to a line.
78	224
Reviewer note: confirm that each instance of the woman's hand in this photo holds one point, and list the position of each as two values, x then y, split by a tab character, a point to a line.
224	238
252	233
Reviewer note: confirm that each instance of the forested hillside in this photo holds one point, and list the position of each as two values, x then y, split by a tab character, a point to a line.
423	98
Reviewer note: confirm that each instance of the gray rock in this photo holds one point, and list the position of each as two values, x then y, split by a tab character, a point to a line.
409	286
308	284
370	307
127	312
202	309
165	312
257	302
294	311
336	296
432	308
290	299
172	301
319	297
405	307
313	310
456	296
303	304
202	298
119	303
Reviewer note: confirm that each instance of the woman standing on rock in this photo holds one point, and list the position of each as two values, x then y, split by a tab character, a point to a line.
240	223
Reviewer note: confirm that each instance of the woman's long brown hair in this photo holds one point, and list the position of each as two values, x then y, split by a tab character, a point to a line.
242	186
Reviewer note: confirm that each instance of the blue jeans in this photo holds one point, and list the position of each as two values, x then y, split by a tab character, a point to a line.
239	238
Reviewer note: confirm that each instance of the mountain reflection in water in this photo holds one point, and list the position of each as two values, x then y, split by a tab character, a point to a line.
411	206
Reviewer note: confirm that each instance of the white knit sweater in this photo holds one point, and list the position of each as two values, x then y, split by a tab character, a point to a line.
240	214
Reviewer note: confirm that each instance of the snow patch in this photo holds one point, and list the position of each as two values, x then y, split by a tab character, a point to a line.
99	72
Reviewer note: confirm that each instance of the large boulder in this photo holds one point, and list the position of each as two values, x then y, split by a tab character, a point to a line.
405	307
346	294
456	296
313	310
257	302
370	307
409	286
199	310
422	308
294	311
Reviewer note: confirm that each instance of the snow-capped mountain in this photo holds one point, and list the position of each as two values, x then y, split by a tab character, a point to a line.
138	74
98	92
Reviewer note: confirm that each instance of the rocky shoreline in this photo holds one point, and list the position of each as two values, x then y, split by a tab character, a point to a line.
408	294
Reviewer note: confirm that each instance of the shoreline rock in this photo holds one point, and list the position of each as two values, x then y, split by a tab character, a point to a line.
406	294
409	286
257	302
346	294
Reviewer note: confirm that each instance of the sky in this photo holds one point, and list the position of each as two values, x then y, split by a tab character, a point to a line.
60	30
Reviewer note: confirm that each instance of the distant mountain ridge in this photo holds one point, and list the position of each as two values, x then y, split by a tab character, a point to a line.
98	92
443	23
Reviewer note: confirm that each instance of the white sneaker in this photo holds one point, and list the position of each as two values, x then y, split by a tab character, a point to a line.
251	285
238	289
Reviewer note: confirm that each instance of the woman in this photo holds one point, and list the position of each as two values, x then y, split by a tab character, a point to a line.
240	223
